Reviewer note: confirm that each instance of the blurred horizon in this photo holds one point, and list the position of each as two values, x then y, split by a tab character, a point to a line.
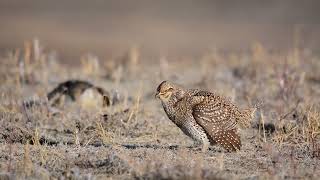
159	28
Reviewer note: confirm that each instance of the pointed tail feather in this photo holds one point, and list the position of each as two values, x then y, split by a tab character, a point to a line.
228	139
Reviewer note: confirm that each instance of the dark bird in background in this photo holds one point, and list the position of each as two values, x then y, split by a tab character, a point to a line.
77	89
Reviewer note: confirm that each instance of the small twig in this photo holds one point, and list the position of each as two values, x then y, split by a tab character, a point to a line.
10	158
135	109
263	128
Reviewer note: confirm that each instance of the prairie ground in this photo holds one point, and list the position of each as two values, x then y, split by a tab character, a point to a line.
135	140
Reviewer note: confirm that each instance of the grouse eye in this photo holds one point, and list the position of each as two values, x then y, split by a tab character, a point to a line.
167	90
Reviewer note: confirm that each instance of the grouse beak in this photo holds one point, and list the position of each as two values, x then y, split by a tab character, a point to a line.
157	95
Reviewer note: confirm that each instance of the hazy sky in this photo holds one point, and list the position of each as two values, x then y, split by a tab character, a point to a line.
189	26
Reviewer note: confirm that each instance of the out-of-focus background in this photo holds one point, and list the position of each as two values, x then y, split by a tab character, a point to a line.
171	28
78	79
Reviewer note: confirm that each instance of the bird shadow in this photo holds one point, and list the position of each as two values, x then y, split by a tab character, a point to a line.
167	147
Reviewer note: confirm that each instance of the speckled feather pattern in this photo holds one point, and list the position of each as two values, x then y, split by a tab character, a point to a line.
206	116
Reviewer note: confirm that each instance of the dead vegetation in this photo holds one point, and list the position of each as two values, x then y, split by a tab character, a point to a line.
134	139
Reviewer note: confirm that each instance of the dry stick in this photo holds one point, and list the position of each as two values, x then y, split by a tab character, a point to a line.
35	138
125	101
26	112
105	137
249	101
36	49
76	138
263	127
10	157
27	53
16	56
21	75
87	143
138	100
259	132
136	108
27	163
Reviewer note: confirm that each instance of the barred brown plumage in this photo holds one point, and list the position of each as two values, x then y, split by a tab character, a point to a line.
204	116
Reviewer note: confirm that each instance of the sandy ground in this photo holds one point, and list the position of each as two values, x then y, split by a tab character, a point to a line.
135	139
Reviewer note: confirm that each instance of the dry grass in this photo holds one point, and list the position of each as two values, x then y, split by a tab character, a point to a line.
134	139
